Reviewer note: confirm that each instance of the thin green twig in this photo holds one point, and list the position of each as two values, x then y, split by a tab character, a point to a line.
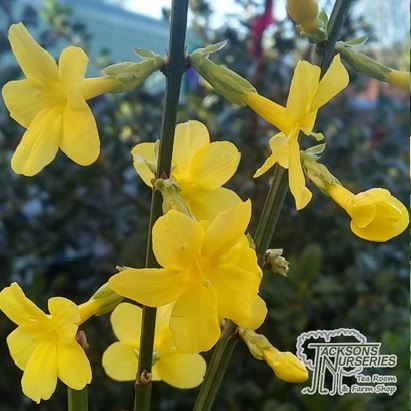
77	399
266	227
173	70
217	367
271	213
325	51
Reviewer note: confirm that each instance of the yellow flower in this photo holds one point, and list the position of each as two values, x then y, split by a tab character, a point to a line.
376	214
120	360
286	365
399	78
201	168
51	104
44	345
307	94
209	271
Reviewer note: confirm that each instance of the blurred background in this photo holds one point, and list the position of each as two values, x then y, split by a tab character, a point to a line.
63	231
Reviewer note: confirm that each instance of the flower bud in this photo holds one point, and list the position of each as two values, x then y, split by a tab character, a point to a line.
225	81
81	338
286	365
310	24
256	343
131	75
103	301
363	64
275	262
303	12
376	214
316	172
172	200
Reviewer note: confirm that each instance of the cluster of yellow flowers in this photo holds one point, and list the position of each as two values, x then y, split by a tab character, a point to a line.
208	268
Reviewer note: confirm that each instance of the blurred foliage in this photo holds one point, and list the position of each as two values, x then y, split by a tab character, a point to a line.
63	231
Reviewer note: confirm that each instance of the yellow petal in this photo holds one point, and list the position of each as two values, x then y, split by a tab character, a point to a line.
391	219
35	62
214	164
307	123
189	137
339	194
279	153
73	365
258	314
227	229
379	231
335	79
141	153
93	87
177	240
163	319
126	322
80	140
399	78
39	144
181	370
25	99
120	362
18	307
153	287
72	68
40	376
362	215
235	291
22	342
374	232
296	179
194	320
65	317
206	204
269	110
302	90
369	197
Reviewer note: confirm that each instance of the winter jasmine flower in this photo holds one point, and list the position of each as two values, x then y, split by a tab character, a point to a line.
120	360
44	345
51	104
376	214
199	167
307	94
208	270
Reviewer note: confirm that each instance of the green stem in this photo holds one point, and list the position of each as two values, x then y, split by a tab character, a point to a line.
217	367
77	399
271	212
228	339
173	70
265	228
325	51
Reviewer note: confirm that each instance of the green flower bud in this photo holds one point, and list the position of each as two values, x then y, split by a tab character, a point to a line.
315	30
172	200
363	64
256	343
108	300
225	81
132	75
316	172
